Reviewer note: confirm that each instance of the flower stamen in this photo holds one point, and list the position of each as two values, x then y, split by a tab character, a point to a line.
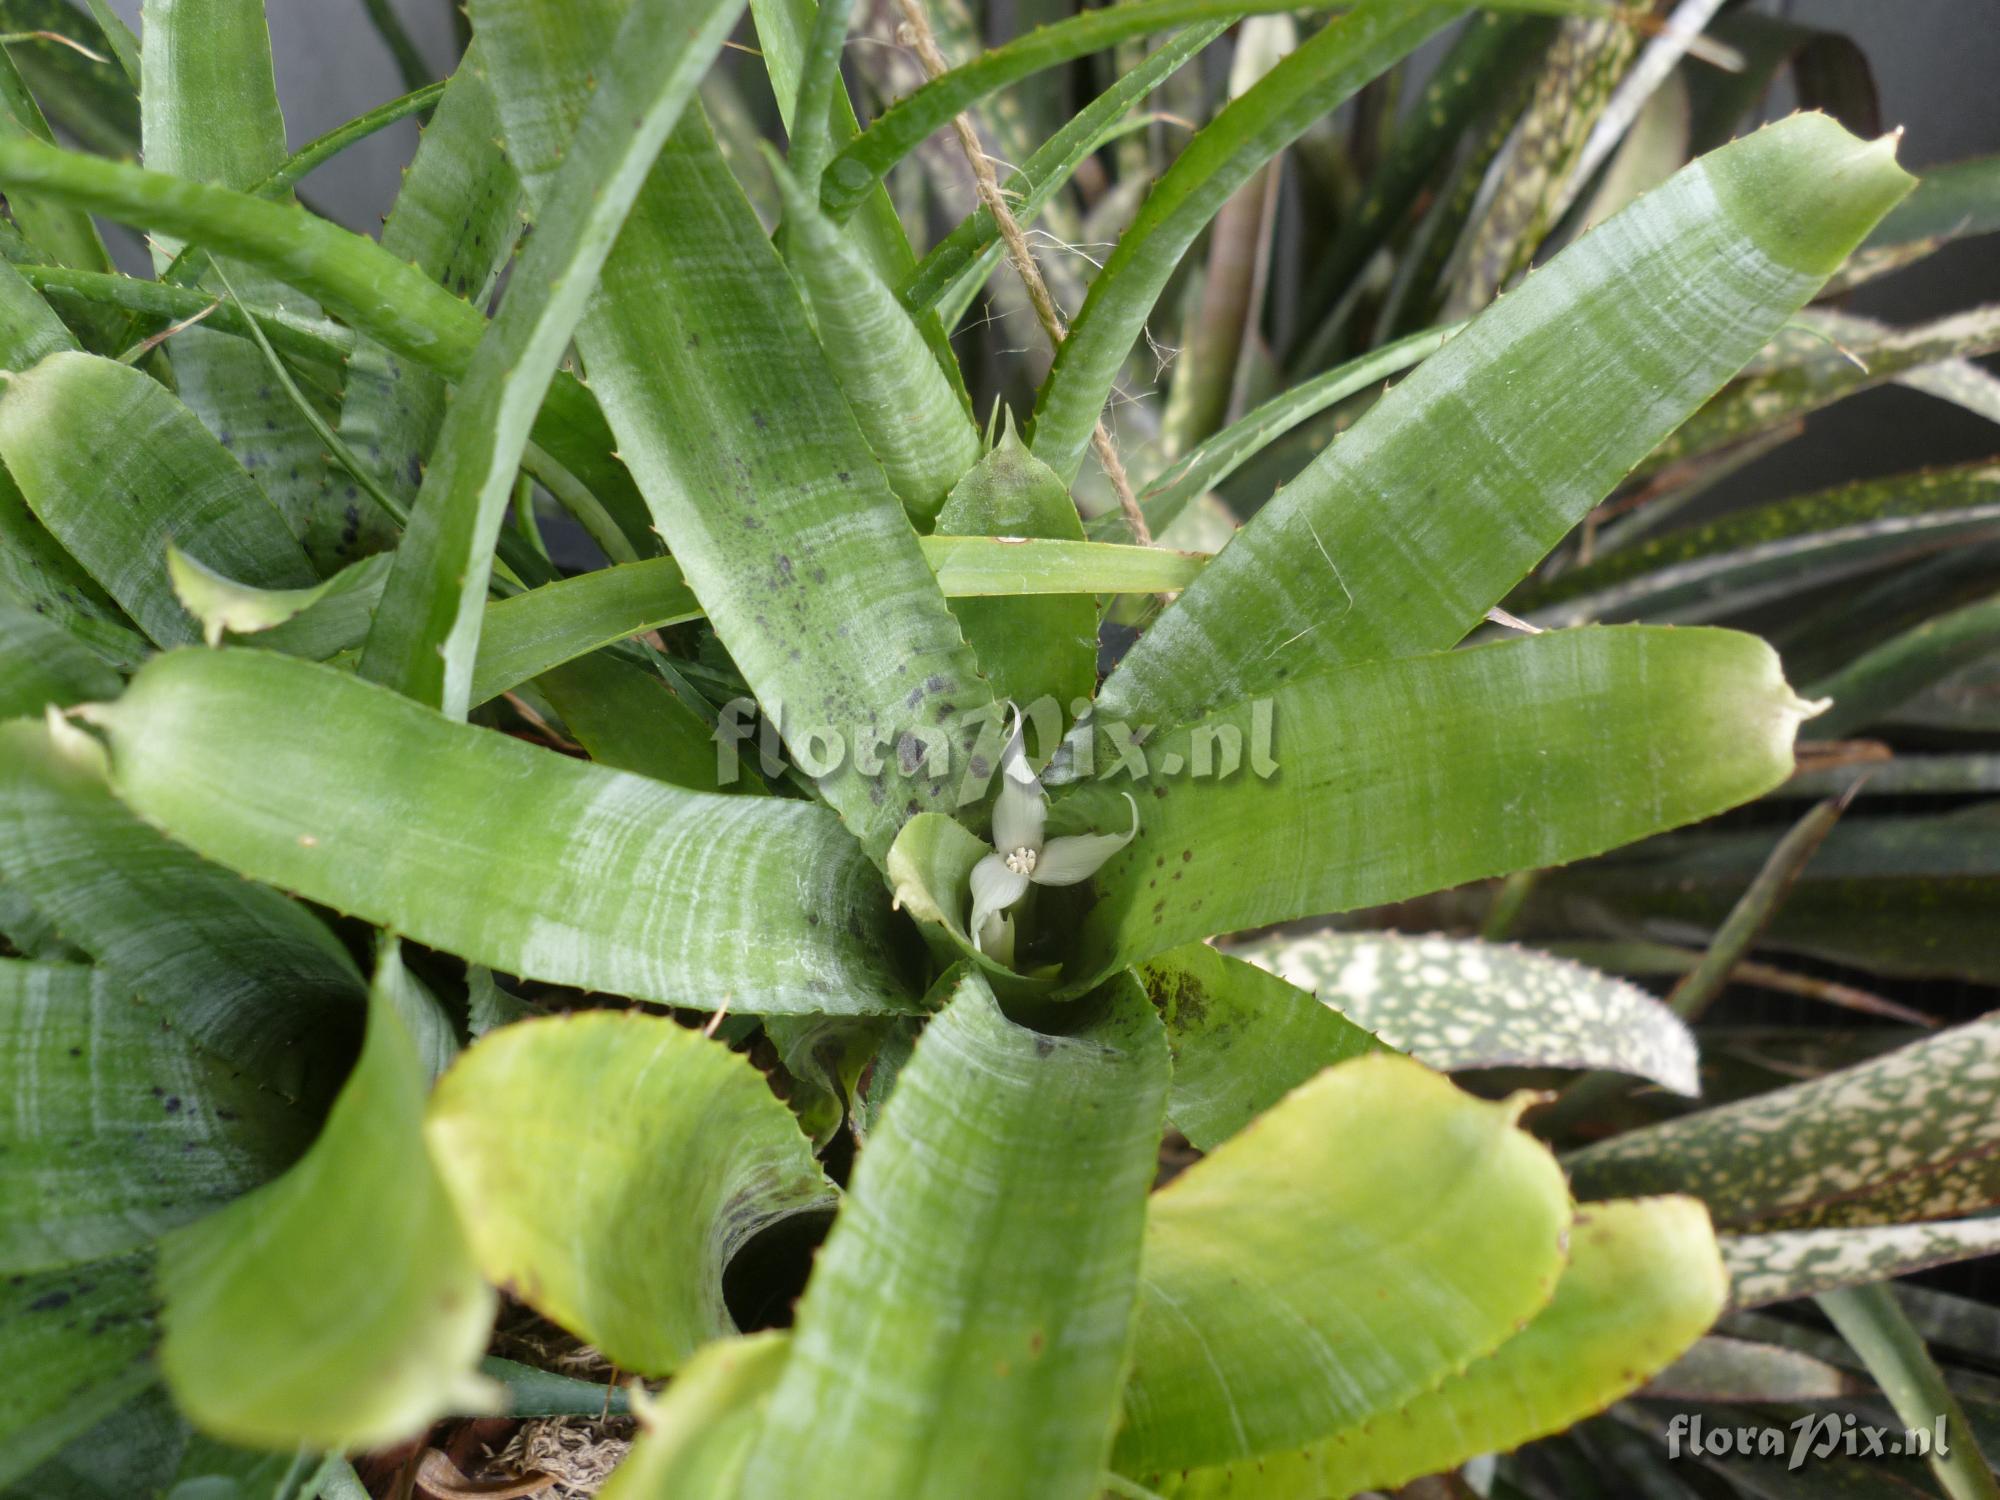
1022	861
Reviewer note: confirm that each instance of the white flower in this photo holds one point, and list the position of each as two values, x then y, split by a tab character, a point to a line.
1022	857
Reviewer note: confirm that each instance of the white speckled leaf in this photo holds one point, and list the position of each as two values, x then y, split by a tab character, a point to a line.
1457	1003
1914	1134
1804	1262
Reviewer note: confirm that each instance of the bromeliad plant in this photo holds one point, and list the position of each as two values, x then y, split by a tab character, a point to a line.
294	726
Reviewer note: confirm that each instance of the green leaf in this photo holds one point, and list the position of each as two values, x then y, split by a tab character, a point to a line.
116	506
608	1165
915	422
234	967
73	1346
1804	1262
1458	1003
1210	462
527	862
1315	78
95	100
1513	756
37	574
1820	373
456	218
1643	1282
42	664
693	1441
630	720
1882	679
1295	1286
1719	1368
1241	1039
29	329
119	1127
958	265
964	1332
426	631
1894	1139
1031	650
1626	332
1769	552
338	1306
317	623
350	275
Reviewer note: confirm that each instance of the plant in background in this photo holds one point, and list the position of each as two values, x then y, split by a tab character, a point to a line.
396	915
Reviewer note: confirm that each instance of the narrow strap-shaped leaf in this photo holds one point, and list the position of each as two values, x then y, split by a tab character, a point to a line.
1894	1139
1877	1330
116	506
350	275
1721	1368
119	1128
1210	462
1767	552
426	632
959	263
209	112
73	1347
1242	1039
699	347
1643	1282
456	218
916	426
233	966
965	1329
42	664
1805	1262
1295	1285
340	1305
1879	681
1402	533
607	1166
527	862
39	575
29	328
1458	1003
1519	755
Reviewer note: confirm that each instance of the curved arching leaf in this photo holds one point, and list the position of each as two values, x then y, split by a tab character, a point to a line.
338	1306
117	505
118	1127
474	842
965	1329
1455	1003
1402	777
234	966
425	635
607	1165
1295	1285
1906	1136
1241	1038
1642	1284
1401	535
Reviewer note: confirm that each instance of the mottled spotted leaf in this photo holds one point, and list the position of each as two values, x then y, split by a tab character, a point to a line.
1911	1135
1456	1003
1804	1262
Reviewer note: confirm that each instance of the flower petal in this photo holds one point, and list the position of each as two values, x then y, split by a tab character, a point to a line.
994	889
1019	810
996	938
1065	861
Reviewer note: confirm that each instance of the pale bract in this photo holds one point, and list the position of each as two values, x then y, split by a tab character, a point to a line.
1022	856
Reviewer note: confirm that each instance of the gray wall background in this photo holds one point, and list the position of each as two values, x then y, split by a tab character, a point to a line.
1936	62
